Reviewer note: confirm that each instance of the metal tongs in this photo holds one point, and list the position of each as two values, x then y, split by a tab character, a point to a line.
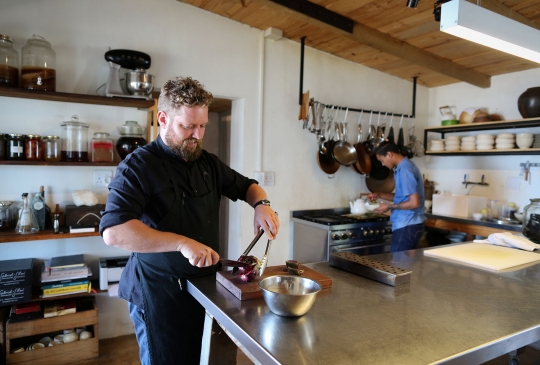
264	261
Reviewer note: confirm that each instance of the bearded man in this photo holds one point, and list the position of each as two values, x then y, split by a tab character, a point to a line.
163	205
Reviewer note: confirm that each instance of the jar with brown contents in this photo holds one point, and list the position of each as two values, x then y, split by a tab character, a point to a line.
38	70
34	147
9	63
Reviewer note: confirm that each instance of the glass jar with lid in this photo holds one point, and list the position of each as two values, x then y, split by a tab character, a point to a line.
102	147
33	148
7	217
38	69
9	63
2	147
131	138
74	141
14	147
531	220
52	148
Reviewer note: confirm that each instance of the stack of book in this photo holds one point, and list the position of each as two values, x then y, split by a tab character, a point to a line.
25	311
65	275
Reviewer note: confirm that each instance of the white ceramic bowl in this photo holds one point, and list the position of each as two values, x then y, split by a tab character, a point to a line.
477	216
519	216
468	139
452	148
436	149
71	337
439	142
504	140
484	147
525	135
485	136
468	148
506	135
84	335
453	138
504	146
524	144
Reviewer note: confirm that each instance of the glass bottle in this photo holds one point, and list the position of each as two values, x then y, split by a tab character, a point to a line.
37	206
7	219
531	220
9	63
52	148
74	141
26	223
102	147
38	70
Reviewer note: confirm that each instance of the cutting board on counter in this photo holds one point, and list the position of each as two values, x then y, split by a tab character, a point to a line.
244	291
484	255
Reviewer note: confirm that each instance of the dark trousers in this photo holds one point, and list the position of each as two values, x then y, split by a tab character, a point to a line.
406	238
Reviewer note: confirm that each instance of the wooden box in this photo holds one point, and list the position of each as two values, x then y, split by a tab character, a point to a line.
22	334
83	214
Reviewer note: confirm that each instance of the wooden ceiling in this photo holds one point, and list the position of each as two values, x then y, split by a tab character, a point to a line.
390	37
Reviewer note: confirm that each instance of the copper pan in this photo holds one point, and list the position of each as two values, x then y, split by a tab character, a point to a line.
362	164
382	186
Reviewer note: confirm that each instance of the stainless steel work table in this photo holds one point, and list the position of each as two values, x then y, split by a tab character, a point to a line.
449	313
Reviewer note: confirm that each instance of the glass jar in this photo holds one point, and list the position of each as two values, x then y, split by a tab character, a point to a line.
7	218
52	148
33	148
531	220
131	138
38	70
102	147
15	147
74	141
2	147
9	63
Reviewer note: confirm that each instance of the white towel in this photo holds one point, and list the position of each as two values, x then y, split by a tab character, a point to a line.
507	239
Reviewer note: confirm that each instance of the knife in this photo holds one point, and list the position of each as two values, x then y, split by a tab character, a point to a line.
232	263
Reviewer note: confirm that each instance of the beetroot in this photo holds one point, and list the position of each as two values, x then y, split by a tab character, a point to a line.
249	273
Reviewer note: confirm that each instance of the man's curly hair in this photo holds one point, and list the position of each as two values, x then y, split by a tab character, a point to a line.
183	91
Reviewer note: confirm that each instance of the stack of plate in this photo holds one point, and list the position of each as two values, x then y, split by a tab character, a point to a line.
468	143
505	141
485	142
437	145
452	143
536	143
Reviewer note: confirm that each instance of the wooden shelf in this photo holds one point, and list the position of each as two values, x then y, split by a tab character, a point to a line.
76	98
60	163
47	234
514	151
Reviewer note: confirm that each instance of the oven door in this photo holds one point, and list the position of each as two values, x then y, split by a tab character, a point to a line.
362	248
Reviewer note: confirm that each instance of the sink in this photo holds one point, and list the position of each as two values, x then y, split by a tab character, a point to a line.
458	205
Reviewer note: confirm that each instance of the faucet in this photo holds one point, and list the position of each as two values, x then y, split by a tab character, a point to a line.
467	183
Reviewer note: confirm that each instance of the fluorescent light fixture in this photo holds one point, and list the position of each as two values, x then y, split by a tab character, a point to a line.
476	24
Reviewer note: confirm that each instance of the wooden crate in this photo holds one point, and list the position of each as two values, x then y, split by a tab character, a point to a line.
24	333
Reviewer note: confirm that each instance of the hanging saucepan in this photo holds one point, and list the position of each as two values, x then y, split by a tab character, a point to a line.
375	140
390	136
386	185
363	162
344	152
406	151
325	159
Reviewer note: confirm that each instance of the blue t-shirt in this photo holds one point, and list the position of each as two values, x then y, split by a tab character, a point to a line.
408	182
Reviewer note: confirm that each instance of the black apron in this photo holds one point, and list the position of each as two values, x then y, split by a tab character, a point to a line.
174	319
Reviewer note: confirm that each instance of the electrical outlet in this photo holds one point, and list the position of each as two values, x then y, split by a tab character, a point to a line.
102	177
264	178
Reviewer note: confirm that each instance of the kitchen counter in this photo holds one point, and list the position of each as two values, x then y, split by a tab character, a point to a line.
448	314
469	225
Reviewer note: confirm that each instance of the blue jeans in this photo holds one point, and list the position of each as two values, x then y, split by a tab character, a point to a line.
137	316
406	238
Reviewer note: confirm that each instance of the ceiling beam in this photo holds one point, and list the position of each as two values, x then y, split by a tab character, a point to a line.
393	46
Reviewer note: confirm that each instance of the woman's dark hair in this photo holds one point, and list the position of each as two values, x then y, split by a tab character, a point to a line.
387	146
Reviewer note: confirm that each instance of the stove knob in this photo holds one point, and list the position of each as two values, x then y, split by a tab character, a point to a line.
370	233
335	236
388	230
377	232
365	234
343	236
350	235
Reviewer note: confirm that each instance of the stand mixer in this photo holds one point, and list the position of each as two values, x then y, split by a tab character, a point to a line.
138	83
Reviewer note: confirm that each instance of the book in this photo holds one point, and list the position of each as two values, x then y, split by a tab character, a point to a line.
14	317
60	307
63	262
69	283
48	275
66	291
29	307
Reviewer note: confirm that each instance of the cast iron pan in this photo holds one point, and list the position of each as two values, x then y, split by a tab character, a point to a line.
382	186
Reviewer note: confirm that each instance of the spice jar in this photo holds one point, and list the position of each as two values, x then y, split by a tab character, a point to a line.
9	63
102	147
531	220
52	148
14	147
131	138
38	70
74	141
33	148
7	218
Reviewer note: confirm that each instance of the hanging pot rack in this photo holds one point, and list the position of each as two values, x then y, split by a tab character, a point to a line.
412	115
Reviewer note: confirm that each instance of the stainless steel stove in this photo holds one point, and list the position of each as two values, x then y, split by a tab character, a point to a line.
317	233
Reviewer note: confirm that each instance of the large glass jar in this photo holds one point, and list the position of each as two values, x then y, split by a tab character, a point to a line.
38	70
7	217
33	147
14	147
531	220
102	147
131	138
9	63
74	141
52	148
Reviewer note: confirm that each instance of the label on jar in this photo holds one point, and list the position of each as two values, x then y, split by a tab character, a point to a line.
38	205
16	149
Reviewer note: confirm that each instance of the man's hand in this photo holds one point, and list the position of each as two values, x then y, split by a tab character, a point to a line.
373	196
267	219
198	254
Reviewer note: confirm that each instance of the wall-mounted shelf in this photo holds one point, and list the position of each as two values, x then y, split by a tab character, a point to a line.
76	98
46	234
489	126
60	163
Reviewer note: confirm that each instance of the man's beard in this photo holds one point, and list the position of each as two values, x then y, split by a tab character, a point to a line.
183	151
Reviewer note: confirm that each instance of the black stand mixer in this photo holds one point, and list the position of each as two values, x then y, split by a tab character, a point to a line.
138	83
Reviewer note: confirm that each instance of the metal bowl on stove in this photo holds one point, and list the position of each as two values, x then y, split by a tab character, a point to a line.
288	295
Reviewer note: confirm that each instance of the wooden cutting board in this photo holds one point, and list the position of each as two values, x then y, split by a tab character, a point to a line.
485	255
244	291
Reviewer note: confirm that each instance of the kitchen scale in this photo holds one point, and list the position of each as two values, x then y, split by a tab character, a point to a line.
138	83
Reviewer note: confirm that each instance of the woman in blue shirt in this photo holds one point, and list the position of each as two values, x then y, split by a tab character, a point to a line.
408	199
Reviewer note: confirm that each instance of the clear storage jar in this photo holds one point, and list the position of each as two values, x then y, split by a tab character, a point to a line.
2	147
14	147
531	220
9	63
102	147
38	69
74	141
52	148
33	147
7	217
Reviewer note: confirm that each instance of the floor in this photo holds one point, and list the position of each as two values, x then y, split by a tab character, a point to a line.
125	351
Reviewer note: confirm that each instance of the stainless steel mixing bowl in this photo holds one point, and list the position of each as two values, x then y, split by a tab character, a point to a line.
288	295
139	82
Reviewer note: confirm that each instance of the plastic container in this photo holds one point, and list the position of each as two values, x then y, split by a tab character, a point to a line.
52	148
33	148
74	141
102	147
9	63
531	220
38	71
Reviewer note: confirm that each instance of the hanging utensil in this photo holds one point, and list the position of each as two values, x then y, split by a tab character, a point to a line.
363	162
390	136
405	150
401	138
344	152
